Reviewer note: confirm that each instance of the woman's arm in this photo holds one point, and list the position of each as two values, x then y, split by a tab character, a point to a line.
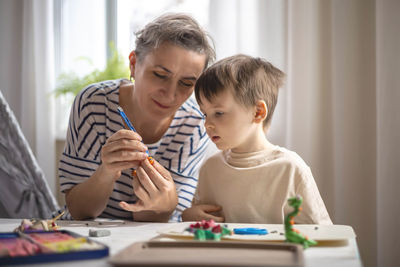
89	199
151	216
121	151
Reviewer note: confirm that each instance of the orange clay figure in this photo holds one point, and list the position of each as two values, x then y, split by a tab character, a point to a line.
151	160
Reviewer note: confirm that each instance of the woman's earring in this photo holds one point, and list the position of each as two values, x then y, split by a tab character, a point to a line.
131	54
132	60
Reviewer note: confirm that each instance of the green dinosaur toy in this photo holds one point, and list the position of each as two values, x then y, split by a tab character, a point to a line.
292	235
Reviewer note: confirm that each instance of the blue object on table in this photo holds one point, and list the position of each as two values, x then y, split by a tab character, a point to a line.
250	231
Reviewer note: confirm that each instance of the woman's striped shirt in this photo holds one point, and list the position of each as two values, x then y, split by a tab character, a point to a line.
94	118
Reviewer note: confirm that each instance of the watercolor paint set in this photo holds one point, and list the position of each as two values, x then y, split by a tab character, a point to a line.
47	246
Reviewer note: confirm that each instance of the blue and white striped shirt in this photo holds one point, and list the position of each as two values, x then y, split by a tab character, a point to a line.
94	118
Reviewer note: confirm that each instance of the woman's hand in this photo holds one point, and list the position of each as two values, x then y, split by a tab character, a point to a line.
202	212
123	150
154	188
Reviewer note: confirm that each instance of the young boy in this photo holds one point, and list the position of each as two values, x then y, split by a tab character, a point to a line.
250	180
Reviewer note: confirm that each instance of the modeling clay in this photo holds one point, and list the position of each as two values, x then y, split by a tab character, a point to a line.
293	235
150	159
44	246
18	247
80	243
62	242
36	224
250	231
208	230
44	238
99	233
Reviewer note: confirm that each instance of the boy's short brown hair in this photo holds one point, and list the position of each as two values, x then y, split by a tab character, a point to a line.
252	79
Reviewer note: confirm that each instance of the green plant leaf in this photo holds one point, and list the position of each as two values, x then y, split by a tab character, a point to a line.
71	83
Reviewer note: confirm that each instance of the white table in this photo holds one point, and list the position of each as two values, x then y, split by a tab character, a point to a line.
126	233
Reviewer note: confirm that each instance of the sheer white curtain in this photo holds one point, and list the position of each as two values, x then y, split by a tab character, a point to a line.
388	130
339	107
37	82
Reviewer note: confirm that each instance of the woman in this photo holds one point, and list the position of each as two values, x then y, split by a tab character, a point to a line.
96	166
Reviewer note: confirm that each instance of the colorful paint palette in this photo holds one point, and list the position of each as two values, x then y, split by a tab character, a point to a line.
51	246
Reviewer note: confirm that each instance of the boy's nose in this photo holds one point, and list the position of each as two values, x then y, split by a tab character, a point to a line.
208	124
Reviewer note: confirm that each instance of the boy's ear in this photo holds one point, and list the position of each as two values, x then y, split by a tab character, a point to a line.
261	111
132	63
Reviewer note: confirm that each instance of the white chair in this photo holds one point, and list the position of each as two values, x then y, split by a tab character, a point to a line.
24	192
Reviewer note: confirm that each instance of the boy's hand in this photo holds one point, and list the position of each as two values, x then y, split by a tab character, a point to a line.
202	212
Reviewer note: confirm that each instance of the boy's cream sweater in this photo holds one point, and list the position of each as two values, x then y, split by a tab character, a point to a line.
254	187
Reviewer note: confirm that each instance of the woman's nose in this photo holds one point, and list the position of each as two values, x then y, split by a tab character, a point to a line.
169	91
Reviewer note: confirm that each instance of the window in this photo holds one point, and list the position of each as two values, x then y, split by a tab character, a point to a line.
79	31
83	30
133	16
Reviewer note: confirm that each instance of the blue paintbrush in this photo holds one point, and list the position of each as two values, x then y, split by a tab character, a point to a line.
128	122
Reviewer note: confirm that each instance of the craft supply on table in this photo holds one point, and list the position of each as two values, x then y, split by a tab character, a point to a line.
208	230
37	224
18	247
293	235
326	235
97	223
99	232
250	231
35	246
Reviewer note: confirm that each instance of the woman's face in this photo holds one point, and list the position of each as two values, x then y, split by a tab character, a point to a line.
165	78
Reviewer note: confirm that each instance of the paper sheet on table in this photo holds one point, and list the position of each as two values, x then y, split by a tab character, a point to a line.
275	232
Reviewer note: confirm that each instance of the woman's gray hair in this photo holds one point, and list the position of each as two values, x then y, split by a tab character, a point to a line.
178	29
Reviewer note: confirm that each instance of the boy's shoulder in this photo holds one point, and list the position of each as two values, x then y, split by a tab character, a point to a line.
217	156
285	157
215	159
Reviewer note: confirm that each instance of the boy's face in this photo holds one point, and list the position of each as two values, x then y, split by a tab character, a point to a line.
229	124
